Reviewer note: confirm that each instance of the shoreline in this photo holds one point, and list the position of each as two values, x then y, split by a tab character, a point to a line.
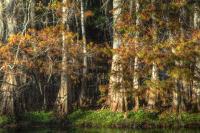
103	119
23	125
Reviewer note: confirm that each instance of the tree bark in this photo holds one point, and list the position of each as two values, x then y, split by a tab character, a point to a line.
196	84
154	75
83	94
136	60
32	14
10	17
183	82
63	98
180	83
10	94
118	96
2	28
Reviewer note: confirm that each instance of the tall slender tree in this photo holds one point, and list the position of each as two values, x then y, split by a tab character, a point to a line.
9	90
63	98
136	60
84	91
196	84
118	98
154	73
1	22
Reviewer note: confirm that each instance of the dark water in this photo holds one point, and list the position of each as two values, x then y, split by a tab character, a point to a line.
95	130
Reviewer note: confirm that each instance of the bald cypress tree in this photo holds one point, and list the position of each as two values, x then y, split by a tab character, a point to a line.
9	103
63	104
118	96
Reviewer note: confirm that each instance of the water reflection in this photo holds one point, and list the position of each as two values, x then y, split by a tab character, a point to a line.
95	130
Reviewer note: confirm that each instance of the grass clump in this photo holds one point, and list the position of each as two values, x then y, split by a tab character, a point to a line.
38	117
142	115
99	118
106	118
6	120
179	120
140	119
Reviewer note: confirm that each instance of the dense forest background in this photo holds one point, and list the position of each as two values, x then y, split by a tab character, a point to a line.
62	55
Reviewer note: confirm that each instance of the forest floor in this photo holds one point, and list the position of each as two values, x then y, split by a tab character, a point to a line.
104	118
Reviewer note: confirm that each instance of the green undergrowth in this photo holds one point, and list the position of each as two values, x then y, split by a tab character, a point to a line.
94	118
6	120
140	119
29	118
38	117
106	118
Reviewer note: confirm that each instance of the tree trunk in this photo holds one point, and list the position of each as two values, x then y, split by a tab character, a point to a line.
153	92
32	14
10	17
136	62
2	28
10	94
118	98
63	98
175	92
180	83
154	75
196	84
183	82
83	94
